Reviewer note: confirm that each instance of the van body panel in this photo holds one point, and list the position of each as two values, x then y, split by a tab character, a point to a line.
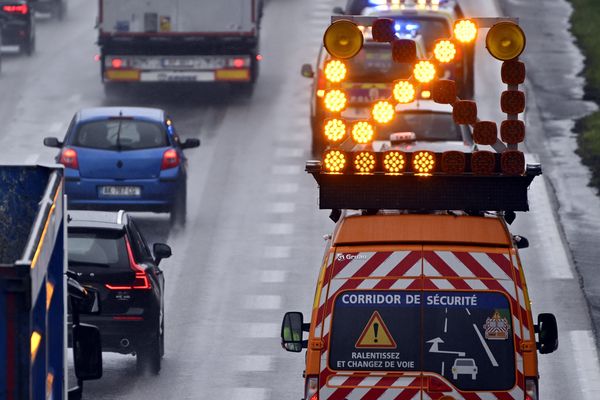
490	272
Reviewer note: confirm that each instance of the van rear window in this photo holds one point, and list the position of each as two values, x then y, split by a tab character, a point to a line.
467	337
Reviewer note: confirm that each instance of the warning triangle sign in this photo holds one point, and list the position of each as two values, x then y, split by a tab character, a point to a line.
375	335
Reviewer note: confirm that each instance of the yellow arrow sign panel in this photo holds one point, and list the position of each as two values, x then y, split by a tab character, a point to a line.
375	335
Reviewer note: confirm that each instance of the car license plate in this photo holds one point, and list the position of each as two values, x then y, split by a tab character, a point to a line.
202	63
121	191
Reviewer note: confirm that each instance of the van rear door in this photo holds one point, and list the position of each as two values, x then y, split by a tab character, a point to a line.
421	323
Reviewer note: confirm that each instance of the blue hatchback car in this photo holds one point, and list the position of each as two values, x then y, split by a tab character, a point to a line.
124	158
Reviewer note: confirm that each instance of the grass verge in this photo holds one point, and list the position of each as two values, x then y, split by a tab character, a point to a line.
585	25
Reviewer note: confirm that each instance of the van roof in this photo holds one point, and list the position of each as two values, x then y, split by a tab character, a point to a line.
421	229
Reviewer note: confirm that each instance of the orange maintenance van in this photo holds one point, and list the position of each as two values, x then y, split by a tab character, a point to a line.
421	306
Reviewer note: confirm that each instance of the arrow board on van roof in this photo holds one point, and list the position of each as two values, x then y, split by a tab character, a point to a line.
375	335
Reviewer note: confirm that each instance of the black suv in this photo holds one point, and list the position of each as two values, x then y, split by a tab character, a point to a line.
108	252
17	24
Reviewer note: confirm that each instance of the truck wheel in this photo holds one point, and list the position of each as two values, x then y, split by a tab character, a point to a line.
148	358
318	143
178	212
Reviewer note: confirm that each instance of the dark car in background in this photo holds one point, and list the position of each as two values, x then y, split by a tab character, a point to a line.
125	158
18	25
108	252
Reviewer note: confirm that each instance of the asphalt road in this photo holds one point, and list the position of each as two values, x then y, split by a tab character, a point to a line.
253	243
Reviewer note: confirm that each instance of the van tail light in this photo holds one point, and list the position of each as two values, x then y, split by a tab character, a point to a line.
311	390
531	389
170	159
68	158
141	281
16	9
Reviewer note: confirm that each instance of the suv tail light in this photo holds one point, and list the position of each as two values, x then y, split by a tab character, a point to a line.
141	281
311	390
16	9
531	389
68	158
170	159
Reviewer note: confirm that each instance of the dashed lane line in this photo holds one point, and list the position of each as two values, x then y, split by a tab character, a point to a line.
260	330
585	357
263	302
284	188
286	170
279	229
273	276
250	394
255	363
281	208
289	152
277	252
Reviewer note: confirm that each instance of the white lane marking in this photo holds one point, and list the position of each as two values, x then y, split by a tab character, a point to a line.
445	326
255	363
486	347
552	248
259	330
289	152
263	302
277	252
32	159
585	356
286	170
293	138
56	127
250	394
280	229
75	98
282	208
284	188
273	276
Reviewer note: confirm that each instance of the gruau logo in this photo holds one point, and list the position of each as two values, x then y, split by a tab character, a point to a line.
350	257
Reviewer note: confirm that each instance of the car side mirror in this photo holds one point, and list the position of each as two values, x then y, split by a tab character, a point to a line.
84	299
291	332
307	71
547	330
87	352
52	142
521	242
338	10
190	143
161	251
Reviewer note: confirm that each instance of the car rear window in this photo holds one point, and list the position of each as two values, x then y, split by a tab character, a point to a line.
374	64
104	248
120	134
467	337
427	126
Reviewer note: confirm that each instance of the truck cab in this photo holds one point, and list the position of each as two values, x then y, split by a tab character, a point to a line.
421	305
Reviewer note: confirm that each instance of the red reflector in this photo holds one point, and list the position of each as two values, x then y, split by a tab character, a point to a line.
128	318
17	9
238	62
97	57
259	57
315	397
68	158
170	159
141	279
117	63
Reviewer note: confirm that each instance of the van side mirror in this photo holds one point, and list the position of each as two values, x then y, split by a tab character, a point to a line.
338	10
307	71
547	330
87	352
161	251
190	143
52	142
521	242
291	332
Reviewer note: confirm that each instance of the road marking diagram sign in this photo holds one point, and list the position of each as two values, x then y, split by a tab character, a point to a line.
376	335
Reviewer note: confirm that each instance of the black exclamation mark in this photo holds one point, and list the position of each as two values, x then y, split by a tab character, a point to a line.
376	329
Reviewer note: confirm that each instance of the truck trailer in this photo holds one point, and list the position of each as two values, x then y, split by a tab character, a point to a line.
34	291
178	41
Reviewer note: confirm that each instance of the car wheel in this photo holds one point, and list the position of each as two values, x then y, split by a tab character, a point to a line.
148	358
29	47
178	213
59	10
